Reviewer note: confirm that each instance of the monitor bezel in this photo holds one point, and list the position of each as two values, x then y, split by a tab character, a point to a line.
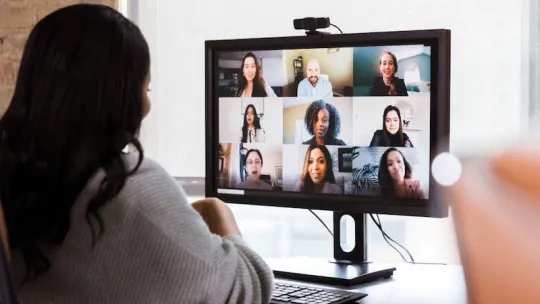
438	39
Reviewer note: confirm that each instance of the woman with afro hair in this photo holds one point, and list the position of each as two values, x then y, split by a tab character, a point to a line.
323	122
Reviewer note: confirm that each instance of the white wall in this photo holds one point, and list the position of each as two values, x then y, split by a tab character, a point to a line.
274	74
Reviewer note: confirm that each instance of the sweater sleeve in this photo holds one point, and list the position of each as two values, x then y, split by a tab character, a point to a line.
194	265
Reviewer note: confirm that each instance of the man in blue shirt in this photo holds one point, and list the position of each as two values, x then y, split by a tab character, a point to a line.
313	85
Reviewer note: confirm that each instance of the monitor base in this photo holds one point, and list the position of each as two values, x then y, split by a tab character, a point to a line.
333	272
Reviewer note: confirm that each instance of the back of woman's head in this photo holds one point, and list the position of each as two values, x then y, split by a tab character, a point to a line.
78	102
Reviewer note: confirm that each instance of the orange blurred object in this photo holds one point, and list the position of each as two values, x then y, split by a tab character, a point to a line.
496	209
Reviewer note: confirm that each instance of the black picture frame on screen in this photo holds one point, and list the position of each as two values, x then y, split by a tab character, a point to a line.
345	160
439	42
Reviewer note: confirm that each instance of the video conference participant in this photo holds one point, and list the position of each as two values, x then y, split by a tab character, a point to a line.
252	83
392	134
253	163
388	84
323	122
317	174
252	132
395	177
313	85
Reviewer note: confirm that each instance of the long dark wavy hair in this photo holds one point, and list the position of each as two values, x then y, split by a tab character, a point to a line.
385	180
256	122
387	135
258	81
307	185
78	102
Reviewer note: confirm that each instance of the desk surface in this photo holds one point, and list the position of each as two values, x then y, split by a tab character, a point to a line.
417	284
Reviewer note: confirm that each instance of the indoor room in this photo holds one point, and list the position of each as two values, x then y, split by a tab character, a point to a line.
321	152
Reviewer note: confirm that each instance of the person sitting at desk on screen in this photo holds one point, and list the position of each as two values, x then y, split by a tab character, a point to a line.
395	176
253	163
252	83
313	85
317	174
252	132
388	84
323	122
392	134
86	221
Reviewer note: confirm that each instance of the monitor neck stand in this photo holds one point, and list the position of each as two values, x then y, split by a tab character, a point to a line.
347	268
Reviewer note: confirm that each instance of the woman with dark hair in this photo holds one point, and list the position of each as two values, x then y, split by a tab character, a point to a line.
253	162
392	134
388	84
252	132
252	83
395	177
317	172
88	223
323	122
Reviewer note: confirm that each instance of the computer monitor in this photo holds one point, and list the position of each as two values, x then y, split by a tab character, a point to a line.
349	123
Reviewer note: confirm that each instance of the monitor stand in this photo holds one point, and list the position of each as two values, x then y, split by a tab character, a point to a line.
347	268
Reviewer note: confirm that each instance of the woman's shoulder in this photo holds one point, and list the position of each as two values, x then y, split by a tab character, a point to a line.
269	90
149	185
377	79
151	177
377	136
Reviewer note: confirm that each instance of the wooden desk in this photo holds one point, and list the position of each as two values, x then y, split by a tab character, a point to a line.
416	284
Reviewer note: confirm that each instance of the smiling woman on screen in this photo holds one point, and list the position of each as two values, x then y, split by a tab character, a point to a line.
391	134
317	172
388	84
252	83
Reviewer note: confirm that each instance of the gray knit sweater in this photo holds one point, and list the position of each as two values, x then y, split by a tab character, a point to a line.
156	249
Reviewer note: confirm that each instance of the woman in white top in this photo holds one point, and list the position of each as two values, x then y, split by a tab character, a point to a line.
252	83
252	132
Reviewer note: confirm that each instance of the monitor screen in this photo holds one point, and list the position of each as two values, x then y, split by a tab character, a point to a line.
344	123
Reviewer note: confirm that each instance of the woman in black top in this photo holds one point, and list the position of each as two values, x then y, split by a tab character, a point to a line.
388	84
392	134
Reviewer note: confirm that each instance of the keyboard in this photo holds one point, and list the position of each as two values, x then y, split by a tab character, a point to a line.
296	293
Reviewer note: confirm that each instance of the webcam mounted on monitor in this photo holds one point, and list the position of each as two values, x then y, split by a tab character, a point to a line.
351	124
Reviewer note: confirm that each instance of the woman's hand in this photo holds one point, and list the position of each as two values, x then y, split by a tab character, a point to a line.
218	216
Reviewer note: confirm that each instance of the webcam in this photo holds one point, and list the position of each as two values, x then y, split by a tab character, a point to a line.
311	24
